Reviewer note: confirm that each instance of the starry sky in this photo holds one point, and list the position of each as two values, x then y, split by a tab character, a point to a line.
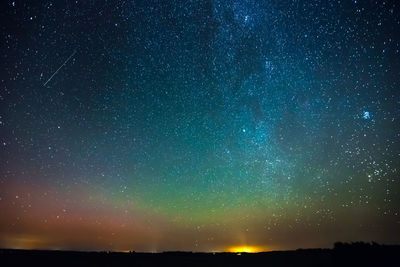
199	125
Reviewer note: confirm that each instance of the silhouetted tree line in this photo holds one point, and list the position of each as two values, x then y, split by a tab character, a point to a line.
366	254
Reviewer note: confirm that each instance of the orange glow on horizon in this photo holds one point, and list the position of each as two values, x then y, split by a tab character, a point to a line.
245	249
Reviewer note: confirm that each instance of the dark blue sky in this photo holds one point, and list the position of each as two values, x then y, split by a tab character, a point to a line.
199	125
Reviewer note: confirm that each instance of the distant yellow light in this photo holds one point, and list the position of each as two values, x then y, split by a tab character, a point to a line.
245	249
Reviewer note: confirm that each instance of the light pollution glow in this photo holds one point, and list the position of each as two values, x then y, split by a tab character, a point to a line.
246	249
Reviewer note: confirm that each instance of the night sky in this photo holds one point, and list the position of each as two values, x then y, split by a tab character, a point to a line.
199	125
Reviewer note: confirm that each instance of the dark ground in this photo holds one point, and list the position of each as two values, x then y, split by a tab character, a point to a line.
355	254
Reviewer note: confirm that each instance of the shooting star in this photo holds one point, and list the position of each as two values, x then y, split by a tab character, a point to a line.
65	62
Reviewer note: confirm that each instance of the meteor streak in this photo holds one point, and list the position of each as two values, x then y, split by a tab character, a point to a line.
65	62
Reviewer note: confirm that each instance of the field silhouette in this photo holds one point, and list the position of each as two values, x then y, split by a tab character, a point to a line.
343	254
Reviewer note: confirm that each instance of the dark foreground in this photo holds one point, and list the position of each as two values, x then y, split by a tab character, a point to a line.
355	254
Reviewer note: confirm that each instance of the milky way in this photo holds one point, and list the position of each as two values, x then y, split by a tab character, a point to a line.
199	125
